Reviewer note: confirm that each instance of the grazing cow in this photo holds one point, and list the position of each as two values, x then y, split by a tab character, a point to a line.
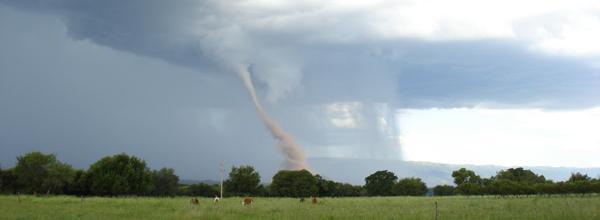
247	200
194	202
314	200
216	200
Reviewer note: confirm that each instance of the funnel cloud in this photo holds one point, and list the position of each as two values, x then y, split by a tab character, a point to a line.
294	157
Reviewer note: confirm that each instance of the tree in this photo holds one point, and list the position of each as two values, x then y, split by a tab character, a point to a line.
579	177
547	188
380	183
292	183
38	172
325	187
507	187
119	175
164	182
80	185
60	176
520	175
469	189
8	181
243	180
463	175
443	190
345	189
580	183
467	182
262	190
202	189
410	187
596	185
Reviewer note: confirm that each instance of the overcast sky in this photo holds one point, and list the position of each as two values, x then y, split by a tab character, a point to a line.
468	81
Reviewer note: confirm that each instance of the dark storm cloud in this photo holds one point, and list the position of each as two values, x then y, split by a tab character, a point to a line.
83	101
151	28
161	93
418	74
343	58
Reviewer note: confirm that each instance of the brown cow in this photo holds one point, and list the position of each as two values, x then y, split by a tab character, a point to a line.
247	200
314	200
195	202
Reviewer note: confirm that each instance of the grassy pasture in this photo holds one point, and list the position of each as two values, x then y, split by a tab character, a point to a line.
455	207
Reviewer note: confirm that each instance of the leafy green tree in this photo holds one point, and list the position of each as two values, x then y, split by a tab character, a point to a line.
469	189
292	183
579	177
380	183
60	176
345	189
519	181
80	185
262	190
8	181
463	175
120	175
243	180
545	188
520	175
443	190
42	173
410	187
507	187
201	189
485	186
564	187
332	188
325	187
164	182
580	183
596	185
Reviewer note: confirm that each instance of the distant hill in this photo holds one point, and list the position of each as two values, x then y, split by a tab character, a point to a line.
355	170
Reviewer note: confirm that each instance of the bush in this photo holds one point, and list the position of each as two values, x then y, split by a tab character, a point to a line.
410	187
443	190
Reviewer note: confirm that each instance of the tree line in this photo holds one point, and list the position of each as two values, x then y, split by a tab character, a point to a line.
122	175
516	181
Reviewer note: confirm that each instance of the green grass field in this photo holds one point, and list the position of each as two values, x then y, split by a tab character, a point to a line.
456	207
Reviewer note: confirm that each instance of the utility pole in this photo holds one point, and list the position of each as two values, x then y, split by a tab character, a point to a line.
221	169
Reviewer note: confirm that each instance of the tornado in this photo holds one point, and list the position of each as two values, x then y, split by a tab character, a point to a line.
294	157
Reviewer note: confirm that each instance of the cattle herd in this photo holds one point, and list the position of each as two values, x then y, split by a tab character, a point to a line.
194	202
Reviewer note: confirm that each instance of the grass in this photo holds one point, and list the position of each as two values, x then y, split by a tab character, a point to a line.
455	207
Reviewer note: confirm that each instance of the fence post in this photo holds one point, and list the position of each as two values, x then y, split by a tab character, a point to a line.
436	210
19	196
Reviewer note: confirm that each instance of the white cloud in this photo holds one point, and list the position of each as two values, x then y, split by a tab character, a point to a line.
558	27
344	115
570	34
513	137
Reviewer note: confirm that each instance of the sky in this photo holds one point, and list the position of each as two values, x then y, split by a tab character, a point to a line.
511	83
